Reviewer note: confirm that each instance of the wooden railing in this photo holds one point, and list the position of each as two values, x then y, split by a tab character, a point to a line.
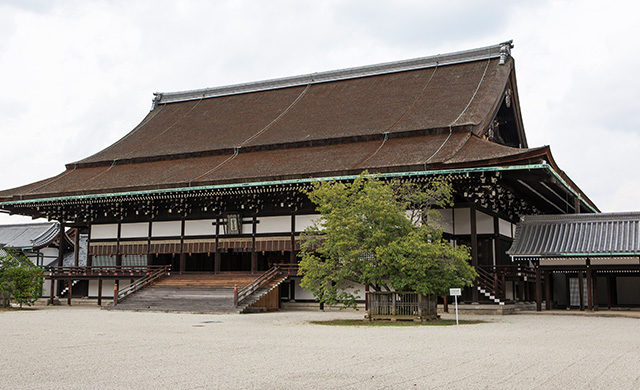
241	294
103	271
289	269
400	305
142	282
494	277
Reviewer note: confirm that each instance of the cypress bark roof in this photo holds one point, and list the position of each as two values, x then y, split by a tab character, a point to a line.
429	113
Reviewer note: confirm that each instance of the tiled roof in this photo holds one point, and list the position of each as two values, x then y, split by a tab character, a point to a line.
29	235
577	235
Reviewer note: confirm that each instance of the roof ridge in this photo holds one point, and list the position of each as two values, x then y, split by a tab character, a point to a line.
501	50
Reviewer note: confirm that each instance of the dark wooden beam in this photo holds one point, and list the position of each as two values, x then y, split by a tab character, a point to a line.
254	254
216	255
581	289
589	290
538	289
547	289
99	292
474	248
594	278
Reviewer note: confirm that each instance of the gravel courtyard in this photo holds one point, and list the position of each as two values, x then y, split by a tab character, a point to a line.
85	347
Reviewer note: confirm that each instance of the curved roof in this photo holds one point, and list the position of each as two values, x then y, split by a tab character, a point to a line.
28	235
577	235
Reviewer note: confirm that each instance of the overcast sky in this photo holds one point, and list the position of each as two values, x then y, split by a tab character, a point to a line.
75	76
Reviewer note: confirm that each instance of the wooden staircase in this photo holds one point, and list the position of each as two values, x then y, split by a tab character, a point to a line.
196	293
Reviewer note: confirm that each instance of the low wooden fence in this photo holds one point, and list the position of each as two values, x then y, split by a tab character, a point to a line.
401	305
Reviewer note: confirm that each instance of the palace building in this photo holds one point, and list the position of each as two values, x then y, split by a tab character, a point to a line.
210	180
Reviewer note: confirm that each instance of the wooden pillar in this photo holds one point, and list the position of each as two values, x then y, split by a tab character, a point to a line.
474	248
89	256
589	290
183	256
609	292
61	244
567	290
118	255
292	254
52	292
547	289
496	244
581	289
254	254
216	255
99	291
522	287
69	292
149	254
594	278
76	249
115	292
538	289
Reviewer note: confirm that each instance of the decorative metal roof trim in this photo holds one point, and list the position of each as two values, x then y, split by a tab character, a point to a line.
502	51
239	186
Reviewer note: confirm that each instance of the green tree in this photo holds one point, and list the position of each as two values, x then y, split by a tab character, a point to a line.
382	235
20	279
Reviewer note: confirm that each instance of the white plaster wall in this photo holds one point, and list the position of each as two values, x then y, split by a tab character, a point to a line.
134	230
505	228
462	221
201	227
109	230
247	228
279	224
484	223
304	221
166	229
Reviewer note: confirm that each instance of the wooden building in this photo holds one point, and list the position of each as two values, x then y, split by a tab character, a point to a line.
589	260
210	179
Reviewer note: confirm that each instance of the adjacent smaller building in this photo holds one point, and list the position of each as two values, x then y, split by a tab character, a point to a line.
588	260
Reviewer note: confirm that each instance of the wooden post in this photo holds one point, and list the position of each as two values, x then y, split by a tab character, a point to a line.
609	292
445	304
292	254
538	289
581	289
61	245
183	256
254	254
115	292
567	290
366	297
99	291
216	255
69	283
149	254
594	278
589	290
474	248
547	290
235	295
52	292
76	249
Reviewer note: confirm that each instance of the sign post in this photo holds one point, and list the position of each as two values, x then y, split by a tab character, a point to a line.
456	292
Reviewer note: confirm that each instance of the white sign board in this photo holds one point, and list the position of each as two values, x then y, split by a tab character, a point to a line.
455	292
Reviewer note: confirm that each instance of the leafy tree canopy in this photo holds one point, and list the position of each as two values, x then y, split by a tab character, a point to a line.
20	279
384	235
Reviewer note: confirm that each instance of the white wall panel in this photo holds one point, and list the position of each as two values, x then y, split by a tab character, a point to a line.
462	221
166	229
279	224
506	228
484	223
201	227
103	231
134	230
303	221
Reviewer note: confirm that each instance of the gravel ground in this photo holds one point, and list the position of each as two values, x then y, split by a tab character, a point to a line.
84	347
